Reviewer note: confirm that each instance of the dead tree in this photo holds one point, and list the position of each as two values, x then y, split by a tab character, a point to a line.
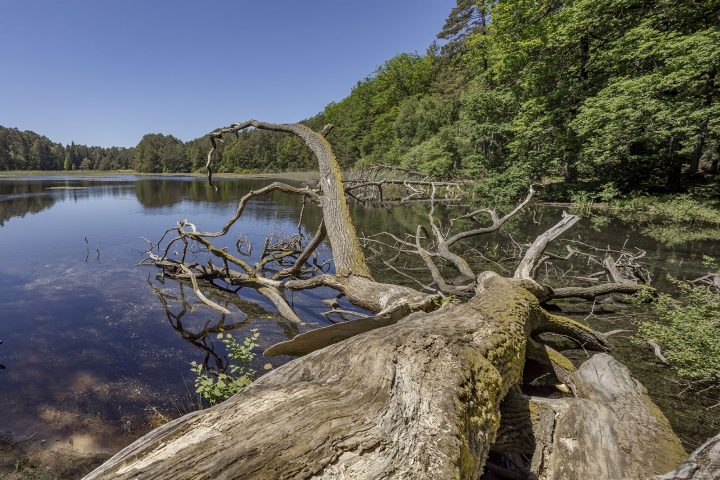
416	389
389	183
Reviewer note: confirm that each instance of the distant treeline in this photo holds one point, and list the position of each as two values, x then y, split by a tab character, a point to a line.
29	151
155	153
598	95
253	151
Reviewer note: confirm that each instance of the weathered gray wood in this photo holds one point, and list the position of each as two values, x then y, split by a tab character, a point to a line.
418	399
534	255
612	430
322	337
590	293
348	257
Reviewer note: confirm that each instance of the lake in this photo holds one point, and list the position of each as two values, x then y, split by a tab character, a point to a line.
97	348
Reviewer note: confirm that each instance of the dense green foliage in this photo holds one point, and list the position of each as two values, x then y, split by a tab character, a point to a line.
216	386
613	95
619	94
689	330
160	153
30	151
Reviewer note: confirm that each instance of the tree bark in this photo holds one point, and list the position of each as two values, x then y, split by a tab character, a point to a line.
603	433
418	399
347	253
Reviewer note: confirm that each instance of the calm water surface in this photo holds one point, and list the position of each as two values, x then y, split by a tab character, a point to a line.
97	349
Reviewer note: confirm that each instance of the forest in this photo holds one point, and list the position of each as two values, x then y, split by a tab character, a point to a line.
29	151
596	96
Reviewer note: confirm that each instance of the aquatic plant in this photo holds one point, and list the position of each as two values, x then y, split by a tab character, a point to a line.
689	328
216	386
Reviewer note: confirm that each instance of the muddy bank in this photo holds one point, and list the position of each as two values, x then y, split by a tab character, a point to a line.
33	458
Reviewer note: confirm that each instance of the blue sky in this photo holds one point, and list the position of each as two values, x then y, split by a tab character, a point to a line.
105	73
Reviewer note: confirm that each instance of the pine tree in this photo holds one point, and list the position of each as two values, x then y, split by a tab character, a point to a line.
466	18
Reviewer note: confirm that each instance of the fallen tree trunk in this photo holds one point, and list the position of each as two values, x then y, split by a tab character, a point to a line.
417	399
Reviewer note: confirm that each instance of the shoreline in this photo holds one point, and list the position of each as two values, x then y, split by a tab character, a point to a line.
36	459
295	175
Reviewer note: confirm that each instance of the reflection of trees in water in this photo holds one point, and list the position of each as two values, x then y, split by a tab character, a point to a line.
197	338
20	206
20	197
179	311
155	192
397	219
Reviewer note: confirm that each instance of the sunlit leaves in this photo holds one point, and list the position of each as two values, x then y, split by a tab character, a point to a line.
688	330
216	386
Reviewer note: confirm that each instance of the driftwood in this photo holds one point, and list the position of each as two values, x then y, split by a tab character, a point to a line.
385	184
414	391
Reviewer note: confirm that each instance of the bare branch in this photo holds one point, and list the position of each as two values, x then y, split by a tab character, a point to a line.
273	187
534	255
658	352
274	295
347	254
199	293
309	249
497	222
436	275
590	293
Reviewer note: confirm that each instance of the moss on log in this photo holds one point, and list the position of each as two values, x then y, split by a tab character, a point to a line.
417	399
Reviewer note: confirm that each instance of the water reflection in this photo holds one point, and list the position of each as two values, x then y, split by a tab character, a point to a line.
180	308
198	339
19	206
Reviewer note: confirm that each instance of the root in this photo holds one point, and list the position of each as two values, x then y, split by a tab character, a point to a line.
586	337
